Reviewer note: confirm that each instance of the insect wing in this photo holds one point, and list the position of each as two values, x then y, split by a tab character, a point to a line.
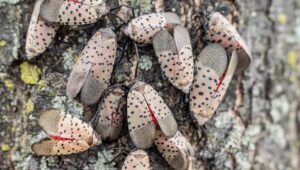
40	34
66	147
162	113
186	64
143	28
210	66
57	124
137	160
175	150
70	12
220	92
140	122
222	32
111	115
101	68
83	65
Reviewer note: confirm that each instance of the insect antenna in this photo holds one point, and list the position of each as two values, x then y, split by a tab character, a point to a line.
120	6
159	158
84	160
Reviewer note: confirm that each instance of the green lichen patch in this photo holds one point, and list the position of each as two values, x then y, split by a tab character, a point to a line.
145	63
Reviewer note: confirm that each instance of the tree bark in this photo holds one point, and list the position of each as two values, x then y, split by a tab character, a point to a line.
255	127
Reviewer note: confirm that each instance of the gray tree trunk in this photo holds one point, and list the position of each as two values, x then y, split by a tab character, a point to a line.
256	126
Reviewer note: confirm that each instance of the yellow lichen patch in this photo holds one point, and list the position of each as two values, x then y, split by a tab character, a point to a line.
281	18
3	43
29	107
9	84
42	84
293	59
5	147
30	73
293	78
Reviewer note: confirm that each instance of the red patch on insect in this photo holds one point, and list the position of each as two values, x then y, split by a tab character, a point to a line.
75	1
58	138
221	80
113	118
154	120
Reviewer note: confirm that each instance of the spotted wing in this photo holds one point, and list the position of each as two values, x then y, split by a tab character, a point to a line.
186	64
83	65
70	12
56	123
162	113
210	67
141	122
51	147
143	28
40	34
220	92
111	115
99	76
137	160
170	61
175	150
222	32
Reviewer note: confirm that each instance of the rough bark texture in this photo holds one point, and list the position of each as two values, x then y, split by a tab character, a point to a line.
256	126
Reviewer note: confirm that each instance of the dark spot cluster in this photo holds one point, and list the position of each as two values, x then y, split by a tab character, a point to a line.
76	14
147	26
204	88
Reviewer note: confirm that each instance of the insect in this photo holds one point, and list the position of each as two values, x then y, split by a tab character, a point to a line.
211	80
66	134
137	160
40	33
222	32
110	115
145	110
92	72
73	12
177	151
143	28
175	57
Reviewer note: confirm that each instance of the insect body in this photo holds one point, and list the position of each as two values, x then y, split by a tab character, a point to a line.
67	134
143	28
177	151
222	32
175	57
40	33
211	80
146	110
73	12
111	115
137	160
92	71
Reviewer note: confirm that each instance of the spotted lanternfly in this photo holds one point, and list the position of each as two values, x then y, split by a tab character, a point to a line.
211	80
92	72
111	116
222	32
177	151
145	110
143	28
137	160
39	34
66	134
73	12
175	57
